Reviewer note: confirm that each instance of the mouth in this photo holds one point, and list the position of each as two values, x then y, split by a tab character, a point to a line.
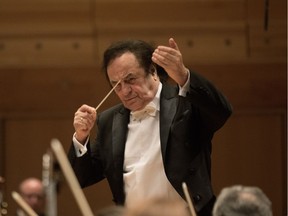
130	99
130	102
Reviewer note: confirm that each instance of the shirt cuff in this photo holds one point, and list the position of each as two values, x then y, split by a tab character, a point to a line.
185	88
79	148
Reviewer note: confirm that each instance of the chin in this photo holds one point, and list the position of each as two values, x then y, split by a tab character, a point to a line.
133	107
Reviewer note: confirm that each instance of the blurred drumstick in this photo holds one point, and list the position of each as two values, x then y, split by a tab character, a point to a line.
188	199
23	204
107	95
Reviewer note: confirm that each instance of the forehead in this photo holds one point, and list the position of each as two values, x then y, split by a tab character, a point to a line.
122	65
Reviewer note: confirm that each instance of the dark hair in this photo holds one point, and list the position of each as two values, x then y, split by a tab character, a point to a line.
142	51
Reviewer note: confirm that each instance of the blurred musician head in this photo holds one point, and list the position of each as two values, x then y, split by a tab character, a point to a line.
32	191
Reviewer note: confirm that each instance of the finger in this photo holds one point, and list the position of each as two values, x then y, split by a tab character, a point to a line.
79	127
89	122
166	60
167	54
90	117
86	108
83	125
173	44
156	58
79	122
85	115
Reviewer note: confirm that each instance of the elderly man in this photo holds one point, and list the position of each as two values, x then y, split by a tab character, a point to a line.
159	136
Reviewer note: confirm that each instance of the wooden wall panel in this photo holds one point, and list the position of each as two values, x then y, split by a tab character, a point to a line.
57	92
47	51
270	43
267	30
199	34
250	150
52	92
74	33
43	9
168	11
277	10
27	140
2	149
30	17
250	87
196	42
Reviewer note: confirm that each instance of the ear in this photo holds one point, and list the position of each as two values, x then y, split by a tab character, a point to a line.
154	73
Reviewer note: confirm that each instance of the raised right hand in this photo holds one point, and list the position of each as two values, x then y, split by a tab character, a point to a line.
84	120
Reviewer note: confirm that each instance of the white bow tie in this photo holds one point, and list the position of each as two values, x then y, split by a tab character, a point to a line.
145	112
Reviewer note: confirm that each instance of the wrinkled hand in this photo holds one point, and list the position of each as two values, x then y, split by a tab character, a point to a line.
84	120
170	58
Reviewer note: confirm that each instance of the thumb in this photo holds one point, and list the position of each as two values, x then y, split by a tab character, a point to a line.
173	44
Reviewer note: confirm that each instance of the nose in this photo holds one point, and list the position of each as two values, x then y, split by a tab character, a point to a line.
125	88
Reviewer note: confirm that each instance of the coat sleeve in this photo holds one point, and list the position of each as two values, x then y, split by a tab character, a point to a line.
87	170
213	107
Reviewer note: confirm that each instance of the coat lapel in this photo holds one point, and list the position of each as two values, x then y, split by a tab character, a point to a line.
119	131
168	107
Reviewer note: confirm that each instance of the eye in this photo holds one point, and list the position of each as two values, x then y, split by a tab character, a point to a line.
131	80
118	87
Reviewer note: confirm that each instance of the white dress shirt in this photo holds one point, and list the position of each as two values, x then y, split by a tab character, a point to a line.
144	175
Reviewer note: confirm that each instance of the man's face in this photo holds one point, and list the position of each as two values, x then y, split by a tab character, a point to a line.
137	88
32	193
